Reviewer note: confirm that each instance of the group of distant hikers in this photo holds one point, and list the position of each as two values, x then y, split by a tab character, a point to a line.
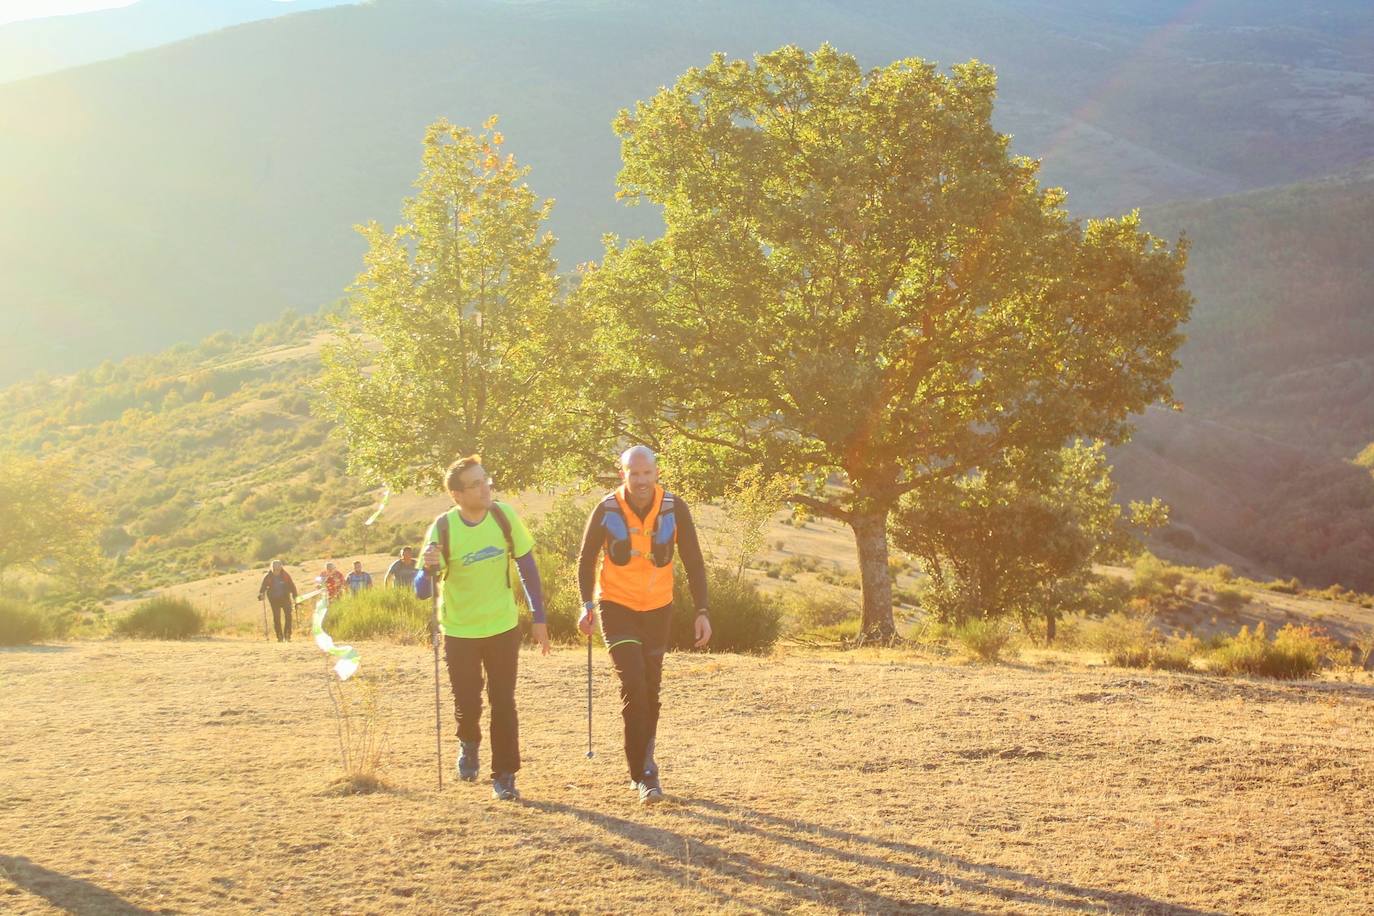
625	576
279	589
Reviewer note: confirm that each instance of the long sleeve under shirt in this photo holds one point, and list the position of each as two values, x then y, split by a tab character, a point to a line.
688	548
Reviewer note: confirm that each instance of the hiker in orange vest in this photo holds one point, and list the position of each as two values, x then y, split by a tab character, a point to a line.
631	534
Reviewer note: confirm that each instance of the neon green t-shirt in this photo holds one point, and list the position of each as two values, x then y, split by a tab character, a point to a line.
476	601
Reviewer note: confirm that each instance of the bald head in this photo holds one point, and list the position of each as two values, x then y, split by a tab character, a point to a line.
641	452
639	471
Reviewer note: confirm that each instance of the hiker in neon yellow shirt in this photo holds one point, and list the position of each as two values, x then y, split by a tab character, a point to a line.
470	550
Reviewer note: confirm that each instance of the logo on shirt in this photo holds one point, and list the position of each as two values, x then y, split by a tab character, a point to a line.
486	553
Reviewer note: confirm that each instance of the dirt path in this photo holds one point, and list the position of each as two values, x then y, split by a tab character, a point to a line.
198	777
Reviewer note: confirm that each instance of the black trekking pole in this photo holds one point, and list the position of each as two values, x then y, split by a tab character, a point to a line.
590	753
433	573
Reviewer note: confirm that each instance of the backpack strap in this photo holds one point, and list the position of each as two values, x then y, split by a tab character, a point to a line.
504	524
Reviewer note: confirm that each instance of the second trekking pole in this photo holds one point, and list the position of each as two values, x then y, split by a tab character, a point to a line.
263	602
434	585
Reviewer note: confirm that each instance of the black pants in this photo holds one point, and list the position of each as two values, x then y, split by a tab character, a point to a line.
637	641
281	606
499	655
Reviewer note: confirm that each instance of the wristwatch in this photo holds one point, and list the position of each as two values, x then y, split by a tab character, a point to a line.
589	606
701	612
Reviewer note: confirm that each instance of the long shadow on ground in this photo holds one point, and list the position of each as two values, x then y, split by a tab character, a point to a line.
902	859
804	886
889	855
65	892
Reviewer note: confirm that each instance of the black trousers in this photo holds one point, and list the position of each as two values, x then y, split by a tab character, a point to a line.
281	606
637	641
499	656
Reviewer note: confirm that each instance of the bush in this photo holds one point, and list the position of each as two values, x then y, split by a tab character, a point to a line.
559	531
1296	652
1230	599
162	617
562	600
982	638
393	614
742	618
810	611
21	624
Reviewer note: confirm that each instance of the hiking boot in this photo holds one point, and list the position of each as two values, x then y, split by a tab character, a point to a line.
467	760
650	792
503	787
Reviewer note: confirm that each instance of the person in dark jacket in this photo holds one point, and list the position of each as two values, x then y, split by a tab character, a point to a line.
280	591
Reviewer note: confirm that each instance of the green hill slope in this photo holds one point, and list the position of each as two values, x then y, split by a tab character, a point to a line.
211	183
1277	380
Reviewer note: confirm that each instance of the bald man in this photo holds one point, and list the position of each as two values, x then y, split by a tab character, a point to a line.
631	537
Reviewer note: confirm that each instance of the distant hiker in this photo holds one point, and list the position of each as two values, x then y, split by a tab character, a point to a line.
631	535
280	592
402	572
358	580
331	580
470	548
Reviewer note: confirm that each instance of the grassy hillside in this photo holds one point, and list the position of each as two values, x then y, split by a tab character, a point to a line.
1277	382
202	778
214	182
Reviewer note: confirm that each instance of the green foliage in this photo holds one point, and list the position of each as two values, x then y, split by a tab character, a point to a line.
559	531
815	611
743	619
858	282
458	322
1230	599
749	503
1021	537
22	624
1129	641
161	617
45	522
391	614
986	639
562	599
1295	652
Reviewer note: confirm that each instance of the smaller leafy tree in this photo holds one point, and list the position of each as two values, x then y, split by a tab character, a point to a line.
448	314
1021	536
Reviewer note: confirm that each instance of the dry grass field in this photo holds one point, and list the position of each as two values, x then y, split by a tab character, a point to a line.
203	777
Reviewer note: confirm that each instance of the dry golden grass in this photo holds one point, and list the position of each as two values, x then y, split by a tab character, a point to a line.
204	777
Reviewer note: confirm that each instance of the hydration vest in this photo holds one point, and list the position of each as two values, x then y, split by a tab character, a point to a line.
638	568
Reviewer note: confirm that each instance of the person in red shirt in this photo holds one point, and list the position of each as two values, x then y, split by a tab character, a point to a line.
331	580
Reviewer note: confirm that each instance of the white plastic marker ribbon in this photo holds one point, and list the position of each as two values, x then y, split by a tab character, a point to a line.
347	655
386	494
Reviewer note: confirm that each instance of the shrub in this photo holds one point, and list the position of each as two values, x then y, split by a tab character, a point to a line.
1223	572
982	638
562	600
743	619
1296	652
559	531
810	610
162	617
392	614
21	624
1230	599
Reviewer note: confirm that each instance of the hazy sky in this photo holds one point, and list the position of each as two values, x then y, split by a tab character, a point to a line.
15	10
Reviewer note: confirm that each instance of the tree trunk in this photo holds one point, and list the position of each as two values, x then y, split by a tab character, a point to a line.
870	534
1051	618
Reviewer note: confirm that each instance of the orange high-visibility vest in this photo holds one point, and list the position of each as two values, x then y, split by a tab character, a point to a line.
638	583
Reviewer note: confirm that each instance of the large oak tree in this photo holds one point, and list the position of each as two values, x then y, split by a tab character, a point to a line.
860	287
